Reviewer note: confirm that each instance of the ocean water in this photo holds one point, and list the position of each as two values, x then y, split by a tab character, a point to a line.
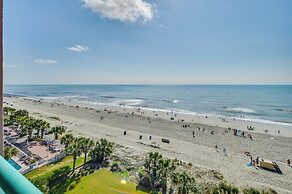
256	102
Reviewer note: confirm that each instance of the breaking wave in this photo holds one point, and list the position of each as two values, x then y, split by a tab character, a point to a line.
240	110
128	102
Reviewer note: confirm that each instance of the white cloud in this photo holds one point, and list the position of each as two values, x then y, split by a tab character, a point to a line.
78	48
123	10
45	61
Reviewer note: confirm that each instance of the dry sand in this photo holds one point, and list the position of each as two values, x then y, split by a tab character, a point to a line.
93	121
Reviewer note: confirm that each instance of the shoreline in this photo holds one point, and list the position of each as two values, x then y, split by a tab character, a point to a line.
260	125
86	121
134	106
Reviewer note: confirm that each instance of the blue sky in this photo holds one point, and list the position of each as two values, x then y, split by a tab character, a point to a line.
148	41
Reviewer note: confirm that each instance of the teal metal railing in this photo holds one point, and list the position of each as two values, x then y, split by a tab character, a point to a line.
12	182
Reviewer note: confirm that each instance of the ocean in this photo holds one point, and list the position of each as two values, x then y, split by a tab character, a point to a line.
263	103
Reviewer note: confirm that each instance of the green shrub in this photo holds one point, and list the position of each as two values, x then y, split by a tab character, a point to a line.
270	191
251	191
115	167
41	183
225	188
72	185
217	175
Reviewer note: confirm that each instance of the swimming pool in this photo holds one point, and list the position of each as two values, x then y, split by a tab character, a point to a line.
14	164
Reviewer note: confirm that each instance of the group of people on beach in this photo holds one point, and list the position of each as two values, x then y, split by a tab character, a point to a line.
199	129
236	132
140	136
224	150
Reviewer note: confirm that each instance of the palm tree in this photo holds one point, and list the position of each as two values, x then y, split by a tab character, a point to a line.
27	124
152	168
58	130
44	127
38	127
8	115
159	171
20	121
152	160
74	149
8	111
23	113
87	144
185	182
101	151
167	167
67	140
9	152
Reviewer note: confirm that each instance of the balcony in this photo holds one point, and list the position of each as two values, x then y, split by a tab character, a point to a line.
12	182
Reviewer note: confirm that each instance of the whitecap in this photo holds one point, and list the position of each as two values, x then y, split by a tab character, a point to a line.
240	110
128	102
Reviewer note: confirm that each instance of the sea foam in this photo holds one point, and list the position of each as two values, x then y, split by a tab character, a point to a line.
240	110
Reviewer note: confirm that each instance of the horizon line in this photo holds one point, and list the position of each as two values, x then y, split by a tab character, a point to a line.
162	84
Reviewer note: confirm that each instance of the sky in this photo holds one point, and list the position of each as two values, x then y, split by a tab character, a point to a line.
148	42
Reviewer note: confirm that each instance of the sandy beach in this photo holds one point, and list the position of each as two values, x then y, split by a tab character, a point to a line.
193	143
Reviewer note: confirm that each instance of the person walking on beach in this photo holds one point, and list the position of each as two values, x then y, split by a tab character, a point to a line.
289	162
193	134
257	161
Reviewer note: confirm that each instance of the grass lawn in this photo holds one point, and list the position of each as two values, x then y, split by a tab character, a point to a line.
47	175
47	170
51	179
105	182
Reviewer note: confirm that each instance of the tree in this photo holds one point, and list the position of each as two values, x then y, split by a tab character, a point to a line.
27	125
158	170
74	149
101	151
9	152
44	127
8	115
67	140
184	182
152	168
87	144
167	167
38	127
11	115
8	111
23	113
58	130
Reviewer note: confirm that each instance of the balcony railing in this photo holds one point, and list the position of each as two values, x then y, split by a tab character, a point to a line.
11	181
